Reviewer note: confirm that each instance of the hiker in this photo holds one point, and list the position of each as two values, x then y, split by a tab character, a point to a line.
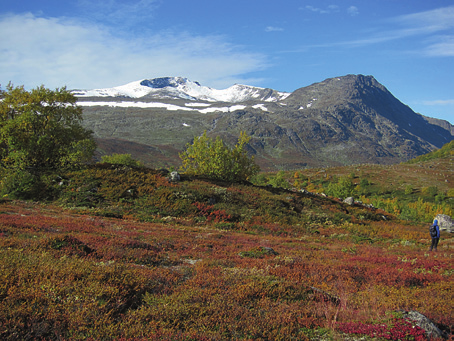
434	234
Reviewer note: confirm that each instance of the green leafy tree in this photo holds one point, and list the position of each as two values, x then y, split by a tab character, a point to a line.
212	158
41	129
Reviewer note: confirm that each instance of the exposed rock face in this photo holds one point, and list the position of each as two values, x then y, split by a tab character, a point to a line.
445	222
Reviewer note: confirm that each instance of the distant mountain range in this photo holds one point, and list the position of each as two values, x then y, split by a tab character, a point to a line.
183	88
343	120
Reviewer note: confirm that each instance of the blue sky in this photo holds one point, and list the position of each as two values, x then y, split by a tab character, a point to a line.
407	45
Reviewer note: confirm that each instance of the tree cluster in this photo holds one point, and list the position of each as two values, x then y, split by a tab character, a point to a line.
212	158
41	129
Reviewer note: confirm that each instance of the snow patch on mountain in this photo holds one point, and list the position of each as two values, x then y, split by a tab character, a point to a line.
166	106
197	104
178	87
133	90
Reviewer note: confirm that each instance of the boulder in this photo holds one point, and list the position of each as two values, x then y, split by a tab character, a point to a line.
418	319
349	200
174	176
445	222
269	250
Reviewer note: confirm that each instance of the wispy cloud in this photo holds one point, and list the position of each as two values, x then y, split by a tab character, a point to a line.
273	29
116	12
442	46
437	24
439	102
326	10
353	11
427	22
60	51
433	28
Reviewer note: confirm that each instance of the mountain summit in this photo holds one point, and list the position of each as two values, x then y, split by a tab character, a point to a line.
342	120
183	88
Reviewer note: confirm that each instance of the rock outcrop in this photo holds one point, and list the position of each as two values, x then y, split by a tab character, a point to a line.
445	222
418	319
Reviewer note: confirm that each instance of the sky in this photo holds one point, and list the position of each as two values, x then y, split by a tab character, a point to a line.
407	45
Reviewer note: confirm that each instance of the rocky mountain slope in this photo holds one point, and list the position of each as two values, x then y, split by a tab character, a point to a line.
344	120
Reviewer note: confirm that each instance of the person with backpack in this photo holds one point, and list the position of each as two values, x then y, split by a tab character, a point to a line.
434	231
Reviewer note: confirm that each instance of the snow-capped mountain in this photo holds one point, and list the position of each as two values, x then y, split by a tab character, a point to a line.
343	120
183	88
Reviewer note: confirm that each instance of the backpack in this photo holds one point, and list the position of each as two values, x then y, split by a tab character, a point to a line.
433	231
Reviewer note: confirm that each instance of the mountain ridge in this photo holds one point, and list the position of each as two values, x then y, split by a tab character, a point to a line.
341	120
183	88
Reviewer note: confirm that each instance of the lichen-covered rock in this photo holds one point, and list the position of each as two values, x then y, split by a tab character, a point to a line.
174	177
432	331
445	222
349	200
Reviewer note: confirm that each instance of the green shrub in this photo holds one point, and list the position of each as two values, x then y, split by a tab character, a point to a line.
408	189
121	159
21	184
279	180
259	179
343	188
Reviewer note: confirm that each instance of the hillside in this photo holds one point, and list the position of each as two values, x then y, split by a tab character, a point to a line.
122	253
114	252
344	120
415	190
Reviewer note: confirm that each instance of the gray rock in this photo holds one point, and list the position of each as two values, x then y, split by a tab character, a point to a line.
349	200
432	331
445	222
269	250
174	176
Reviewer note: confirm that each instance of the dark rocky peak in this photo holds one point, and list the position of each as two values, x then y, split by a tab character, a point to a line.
359	96
335	90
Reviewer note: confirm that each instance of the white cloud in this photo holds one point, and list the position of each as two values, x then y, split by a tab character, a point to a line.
316	9
443	46
327	10
273	29
353	11
60	51
429	24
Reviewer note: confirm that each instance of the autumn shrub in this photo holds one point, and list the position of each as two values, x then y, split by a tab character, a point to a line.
397	329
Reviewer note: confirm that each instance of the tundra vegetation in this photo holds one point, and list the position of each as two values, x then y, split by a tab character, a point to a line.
113	251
